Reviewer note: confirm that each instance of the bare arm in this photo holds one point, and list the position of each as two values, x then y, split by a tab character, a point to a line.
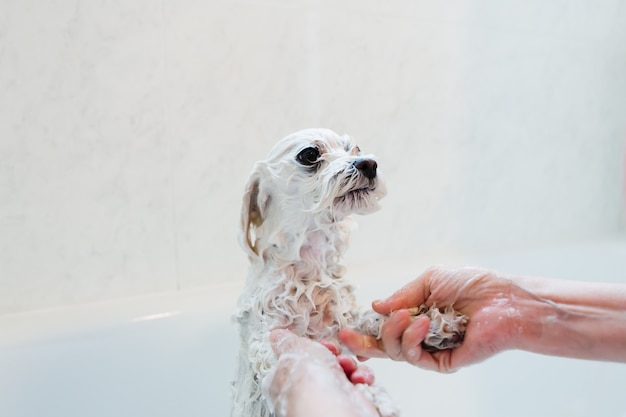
573	319
555	317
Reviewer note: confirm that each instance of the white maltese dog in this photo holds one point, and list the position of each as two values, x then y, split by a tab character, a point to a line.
295	225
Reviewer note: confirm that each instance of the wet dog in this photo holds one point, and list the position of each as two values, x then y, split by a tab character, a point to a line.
295	224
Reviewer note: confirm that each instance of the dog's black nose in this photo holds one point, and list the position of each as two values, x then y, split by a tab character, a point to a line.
367	167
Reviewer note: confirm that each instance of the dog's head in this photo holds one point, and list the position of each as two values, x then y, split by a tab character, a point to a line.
311	178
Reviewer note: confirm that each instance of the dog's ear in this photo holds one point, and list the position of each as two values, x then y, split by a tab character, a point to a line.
253	211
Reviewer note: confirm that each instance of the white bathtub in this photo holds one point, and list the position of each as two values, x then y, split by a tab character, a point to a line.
174	354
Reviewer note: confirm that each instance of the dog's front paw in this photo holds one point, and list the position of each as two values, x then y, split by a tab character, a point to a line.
447	328
368	322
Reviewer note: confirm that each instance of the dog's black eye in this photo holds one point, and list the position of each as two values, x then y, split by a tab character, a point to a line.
308	157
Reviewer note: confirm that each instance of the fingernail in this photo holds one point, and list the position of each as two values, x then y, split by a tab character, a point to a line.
377	304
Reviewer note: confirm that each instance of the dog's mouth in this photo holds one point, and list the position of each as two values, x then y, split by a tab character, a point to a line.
355	196
362	191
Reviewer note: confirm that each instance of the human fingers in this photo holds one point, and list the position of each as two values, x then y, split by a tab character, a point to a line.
348	364
388	346
442	286
412	339
361	345
392	332
402	339
362	375
357	374
333	347
412	294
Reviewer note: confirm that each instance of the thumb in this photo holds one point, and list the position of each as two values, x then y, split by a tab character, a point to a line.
382	306
411	295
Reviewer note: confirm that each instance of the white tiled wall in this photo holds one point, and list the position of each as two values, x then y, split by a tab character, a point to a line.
127	129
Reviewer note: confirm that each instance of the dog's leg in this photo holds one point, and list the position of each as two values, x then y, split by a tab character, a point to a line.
246	391
255	359
447	328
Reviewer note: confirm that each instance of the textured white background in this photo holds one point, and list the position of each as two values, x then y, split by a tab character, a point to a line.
128	128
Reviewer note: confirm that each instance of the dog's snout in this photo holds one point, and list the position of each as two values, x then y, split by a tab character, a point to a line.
367	167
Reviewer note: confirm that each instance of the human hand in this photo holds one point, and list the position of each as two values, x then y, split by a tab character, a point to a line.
310	380
357	374
483	296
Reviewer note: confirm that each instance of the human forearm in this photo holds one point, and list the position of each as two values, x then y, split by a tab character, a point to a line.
572	319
